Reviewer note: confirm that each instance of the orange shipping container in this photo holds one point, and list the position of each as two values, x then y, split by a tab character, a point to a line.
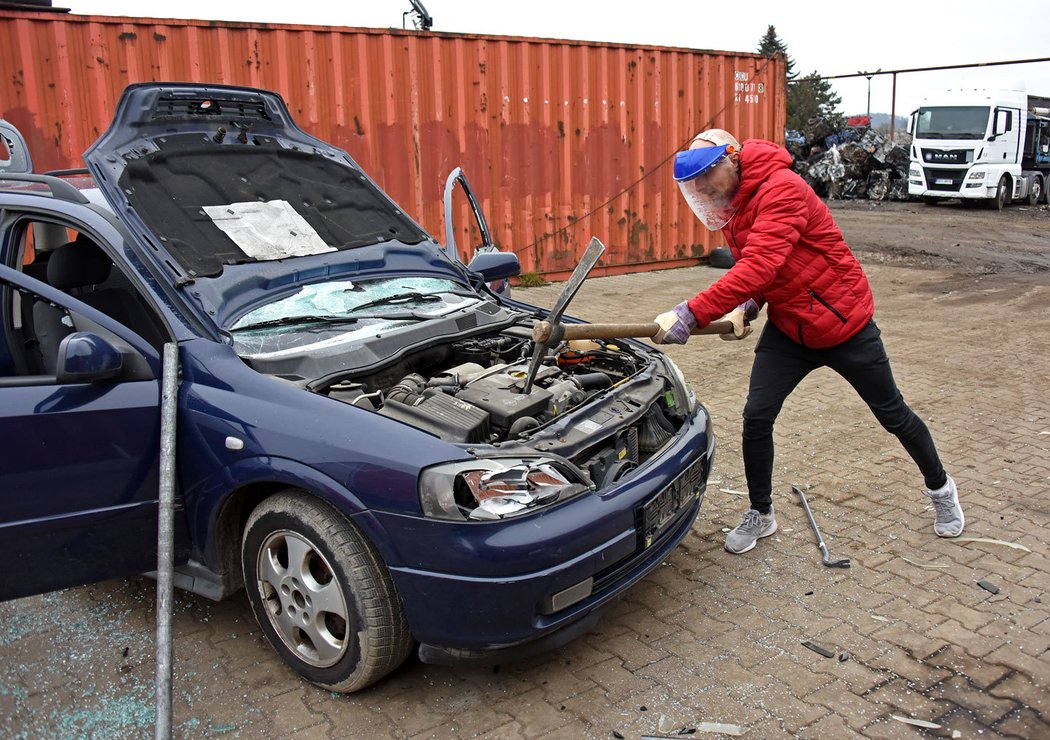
561	139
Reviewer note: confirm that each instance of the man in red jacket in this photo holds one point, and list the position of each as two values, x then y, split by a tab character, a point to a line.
790	256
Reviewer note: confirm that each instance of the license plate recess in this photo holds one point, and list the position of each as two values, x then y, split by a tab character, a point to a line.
661	510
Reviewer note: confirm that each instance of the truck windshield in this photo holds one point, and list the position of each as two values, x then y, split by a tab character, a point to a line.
952	122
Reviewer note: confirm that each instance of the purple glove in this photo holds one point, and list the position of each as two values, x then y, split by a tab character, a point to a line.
750	309
675	325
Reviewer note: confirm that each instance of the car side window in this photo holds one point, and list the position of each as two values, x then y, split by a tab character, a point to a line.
72	261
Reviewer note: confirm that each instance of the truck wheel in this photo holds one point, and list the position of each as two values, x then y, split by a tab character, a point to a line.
930	201
1035	192
321	594
1002	193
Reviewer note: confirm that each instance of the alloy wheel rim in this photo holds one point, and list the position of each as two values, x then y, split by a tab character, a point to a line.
302	598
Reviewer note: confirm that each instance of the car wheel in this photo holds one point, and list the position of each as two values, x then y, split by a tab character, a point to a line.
321	594
1035	192
1002	193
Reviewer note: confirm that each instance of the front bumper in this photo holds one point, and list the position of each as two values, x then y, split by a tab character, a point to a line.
505	610
949	183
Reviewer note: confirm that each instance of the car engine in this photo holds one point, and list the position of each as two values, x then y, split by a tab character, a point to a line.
604	406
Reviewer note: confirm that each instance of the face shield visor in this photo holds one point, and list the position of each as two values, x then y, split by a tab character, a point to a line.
708	180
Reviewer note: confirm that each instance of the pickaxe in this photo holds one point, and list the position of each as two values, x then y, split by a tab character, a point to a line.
548	333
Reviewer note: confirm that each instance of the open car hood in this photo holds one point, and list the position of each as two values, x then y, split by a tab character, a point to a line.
231	196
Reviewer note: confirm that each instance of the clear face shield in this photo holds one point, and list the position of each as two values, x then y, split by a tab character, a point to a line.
708	180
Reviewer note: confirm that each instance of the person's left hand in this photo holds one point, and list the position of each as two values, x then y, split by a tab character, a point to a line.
750	311
675	325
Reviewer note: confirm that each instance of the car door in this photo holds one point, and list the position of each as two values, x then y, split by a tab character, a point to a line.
500	286
78	460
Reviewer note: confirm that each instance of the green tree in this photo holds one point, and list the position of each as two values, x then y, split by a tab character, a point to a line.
807	96
772	44
810	97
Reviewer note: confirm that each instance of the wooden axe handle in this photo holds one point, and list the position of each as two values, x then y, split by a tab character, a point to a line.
543	331
722	326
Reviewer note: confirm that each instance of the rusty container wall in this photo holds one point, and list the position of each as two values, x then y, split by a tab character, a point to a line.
561	140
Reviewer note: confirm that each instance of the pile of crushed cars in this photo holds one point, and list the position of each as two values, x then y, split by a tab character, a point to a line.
846	158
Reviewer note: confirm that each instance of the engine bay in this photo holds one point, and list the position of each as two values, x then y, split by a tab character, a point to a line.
604	406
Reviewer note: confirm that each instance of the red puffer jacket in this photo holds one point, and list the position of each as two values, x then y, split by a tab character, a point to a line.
790	254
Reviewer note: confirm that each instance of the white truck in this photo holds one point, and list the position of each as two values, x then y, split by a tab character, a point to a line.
981	145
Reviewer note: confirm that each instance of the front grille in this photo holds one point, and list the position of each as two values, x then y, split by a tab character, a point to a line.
938	179
177	106
946	156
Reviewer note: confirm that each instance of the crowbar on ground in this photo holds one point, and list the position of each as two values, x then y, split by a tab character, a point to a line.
841	563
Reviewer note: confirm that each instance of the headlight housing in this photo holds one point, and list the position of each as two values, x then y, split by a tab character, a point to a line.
914	171
684	392
496	488
978	175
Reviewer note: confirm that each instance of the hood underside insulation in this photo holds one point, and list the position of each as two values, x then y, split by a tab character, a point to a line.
174	189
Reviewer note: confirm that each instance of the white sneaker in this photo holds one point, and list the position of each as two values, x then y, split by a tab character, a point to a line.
949	519
754	527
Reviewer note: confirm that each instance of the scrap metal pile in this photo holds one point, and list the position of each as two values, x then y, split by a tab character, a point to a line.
846	158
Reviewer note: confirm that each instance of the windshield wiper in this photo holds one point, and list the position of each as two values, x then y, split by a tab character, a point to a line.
293	320
398	298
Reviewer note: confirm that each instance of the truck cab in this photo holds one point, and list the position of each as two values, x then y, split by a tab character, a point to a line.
980	145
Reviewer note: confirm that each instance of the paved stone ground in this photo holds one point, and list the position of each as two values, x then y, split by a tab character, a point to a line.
709	636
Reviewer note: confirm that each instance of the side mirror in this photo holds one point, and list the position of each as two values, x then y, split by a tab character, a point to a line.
495	265
84	357
14	154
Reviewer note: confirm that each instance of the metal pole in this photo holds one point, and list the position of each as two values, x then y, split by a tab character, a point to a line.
893	107
869	98
166	537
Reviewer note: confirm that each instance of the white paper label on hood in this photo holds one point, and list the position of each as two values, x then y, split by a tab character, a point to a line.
268	230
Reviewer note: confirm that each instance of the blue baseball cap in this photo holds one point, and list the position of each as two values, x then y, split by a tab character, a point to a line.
693	162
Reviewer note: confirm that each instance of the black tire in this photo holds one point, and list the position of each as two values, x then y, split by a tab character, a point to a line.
339	567
1002	194
930	201
721	258
1035	193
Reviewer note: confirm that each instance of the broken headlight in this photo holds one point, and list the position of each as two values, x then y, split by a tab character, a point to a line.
496	488
684	392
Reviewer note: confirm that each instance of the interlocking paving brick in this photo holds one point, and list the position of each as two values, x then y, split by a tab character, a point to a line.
920	640
1025	723
986	707
1033	692
1010	656
710	636
535	712
832	725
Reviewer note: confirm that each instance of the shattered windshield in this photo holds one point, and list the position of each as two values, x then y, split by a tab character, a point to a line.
952	122
346	311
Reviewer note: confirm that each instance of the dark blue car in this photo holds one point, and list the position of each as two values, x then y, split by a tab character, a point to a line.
356	447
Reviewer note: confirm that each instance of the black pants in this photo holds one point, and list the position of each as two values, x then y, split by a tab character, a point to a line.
781	364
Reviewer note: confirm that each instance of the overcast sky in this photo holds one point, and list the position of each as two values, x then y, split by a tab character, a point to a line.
839	37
